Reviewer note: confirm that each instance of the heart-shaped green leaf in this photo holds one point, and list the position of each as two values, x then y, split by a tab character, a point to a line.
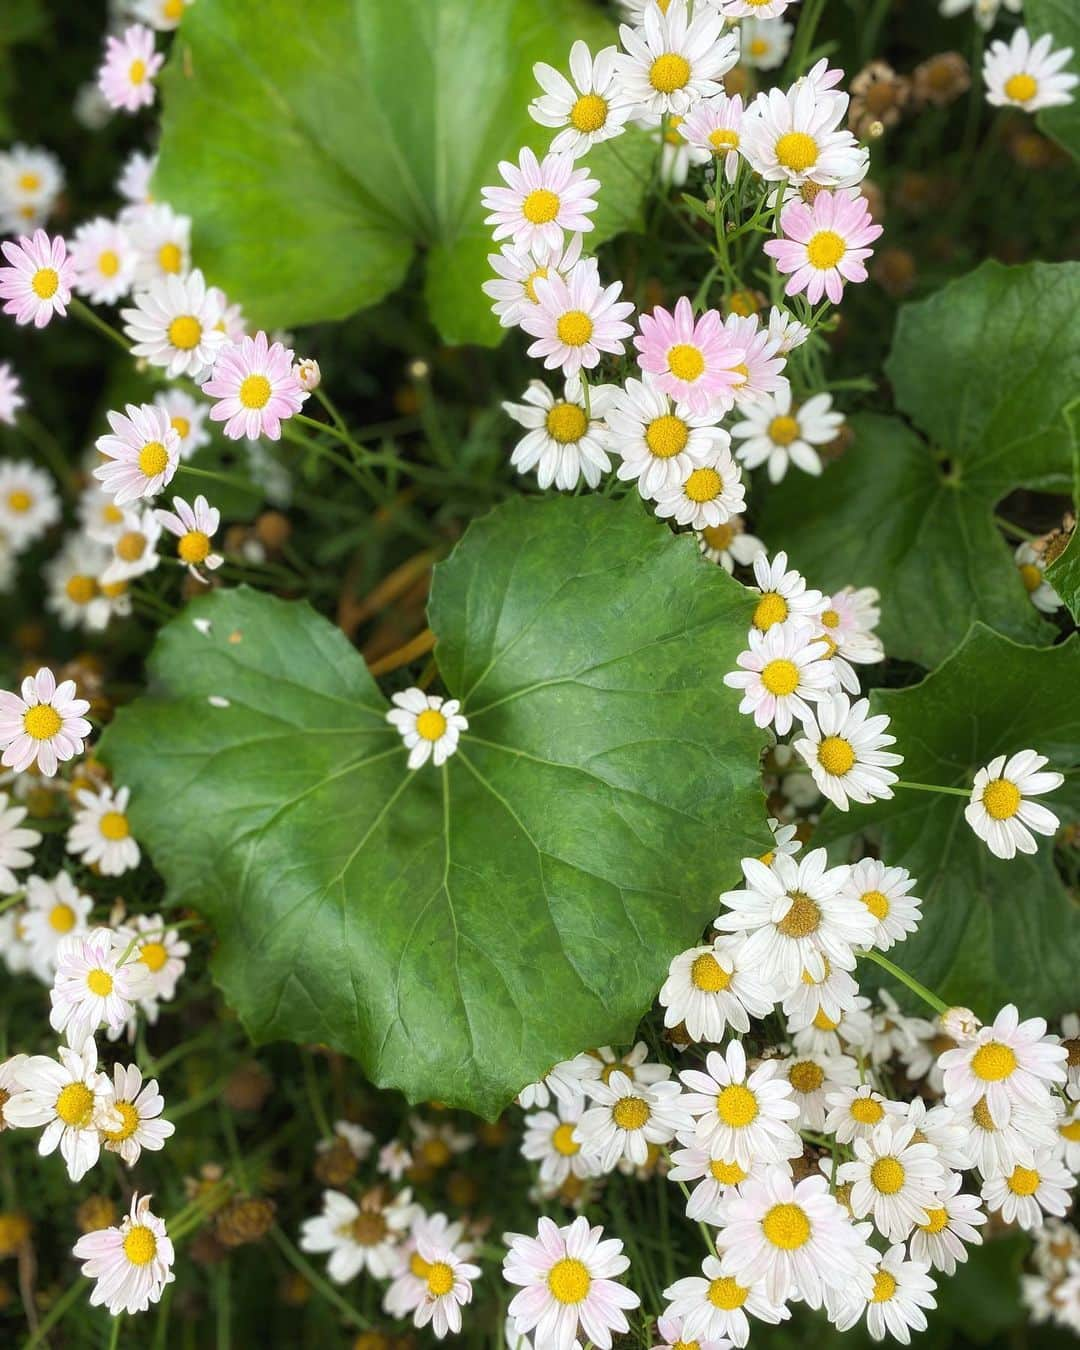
318	147
459	930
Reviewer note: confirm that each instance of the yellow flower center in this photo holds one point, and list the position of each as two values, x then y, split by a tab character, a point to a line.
75	1105
992	1062
669	72
1071	1131
153	459
589	113
129	1123
666	436
45	282
758	46
61	918
137	71
725	1293
825	249
884	1287
703	485
108	263
876	903
936	1220
193	547
631	1113
99	982
1030	576
567	423
802	919
867	1111
1021	87
727	1173
736	1106
153	955
440	1279
723	139
114	825
29	181
718	537
1001	798
836	755
563	1141
797	151
806	1076
574	328
887	1176
111	515
140	1245
771	608
786	1227
131	546
368	1228
540	206
111	589
708	974
80	589
418	1266
685	362
182	427
42	721
823	1022
1024	1181
172	10
185	332
430	724
170	259
980	1114
783	430
569	1280
780	677
19	500
529	284
255	391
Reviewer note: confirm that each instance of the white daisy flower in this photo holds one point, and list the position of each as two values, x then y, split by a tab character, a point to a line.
174	325
568	1280
129	1120
795	136
133	183
885	891
893	1179
849	618
76	594
790	1237
1032	565
728	544
714	1174
778	435
851	1031
37	283
99	515
104	261
747	1117
65	1097
1025	74
780	674
357	1140
543	200
787	330
394	1160
764	42
187	417
131	1264
43	723
11	399
448	1282
194	526
100	833
429	725
141	454
797	917
751	9
902	1289
436	1145
565	441
54	909
576	319
627	1118
161	239
658	443
1000	811
31	179
711	988
713	1307
856	1112
708	496
10	1085
604	1062
589	110
15	844
563	1083
784	594
133	546
1011	1063
672	61
91	988
362	1236
514	289
921	1057
551	1138
408	1288
713	126
673	1334
13	947
157	947
1025	1194
844	749
1070	1039
829	995
812	1078
164	15
984	12
996	1147
942	1241
1057	1246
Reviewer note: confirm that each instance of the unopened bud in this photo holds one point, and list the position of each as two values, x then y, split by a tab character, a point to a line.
960	1023
308	373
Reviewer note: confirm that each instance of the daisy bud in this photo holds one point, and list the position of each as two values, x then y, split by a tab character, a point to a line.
308	373
959	1023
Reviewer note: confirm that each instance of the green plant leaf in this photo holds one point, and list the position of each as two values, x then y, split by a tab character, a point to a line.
1064	572
984	368
458	931
316	156
993	932
1061	18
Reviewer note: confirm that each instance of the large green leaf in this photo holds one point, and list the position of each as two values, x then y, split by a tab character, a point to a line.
1064	572
458	931
993	932
1061	18
318	149
984	368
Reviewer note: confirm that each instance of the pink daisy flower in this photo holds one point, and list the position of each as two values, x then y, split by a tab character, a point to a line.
695	361
257	388
46	724
762	364
126	77
543	198
130	1265
825	244
194	526
576	318
38	283
714	126
142	453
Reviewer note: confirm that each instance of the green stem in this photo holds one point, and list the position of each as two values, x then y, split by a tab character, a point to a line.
50	448
804	37
920	990
87	315
114	1331
315	1097
10	901
935	787
66	1300
328	1292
